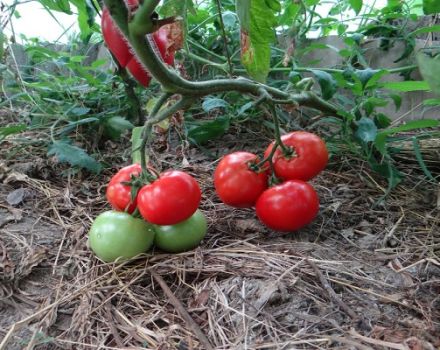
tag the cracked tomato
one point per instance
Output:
(119, 194)
(236, 183)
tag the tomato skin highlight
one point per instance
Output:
(288, 206)
(183, 236)
(116, 234)
(310, 159)
(235, 183)
(118, 194)
(172, 198)
(114, 39)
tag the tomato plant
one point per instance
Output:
(288, 206)
(119, 235)
(236, 183)
(119, 194)
(183, 236)
(309, 157)
(172, 198)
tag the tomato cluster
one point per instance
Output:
(168, 206)
(242, 181)
(124, 54)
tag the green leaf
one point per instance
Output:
(389, 171)
(75, 156)
(86, 18)
(380, 141)
(432, 102)
(430, 70)
(57, 5)
(422, 30)
(10, 130)
(382, 121)
(366, 130)
(327, 83)
(356, 5)
(229, 19)
(177, 8)
(257, 21)
(397, 99)
(406, 86)
(200, 133)
(431, 7)
(211, 103)
(420, 160)
(274, 5)
(115, 126)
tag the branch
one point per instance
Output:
(173, 83)
(183, 103)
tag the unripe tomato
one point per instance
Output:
(172, 198)
(236, 183)
(309, 159)
(118, 194)
(288, 206)
(116, 234)
(115, 40)
(183, 236)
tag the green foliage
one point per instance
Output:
(267, 40)
(257, 20)
(75, 156)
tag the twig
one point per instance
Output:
(378, 342)
(182, 311)
(332, 294)
(225, 39)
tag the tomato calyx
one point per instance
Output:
(288, 152)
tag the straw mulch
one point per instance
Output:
(364, 275)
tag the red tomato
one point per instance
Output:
(310, 158)
(139, 72)
(288, 206)
(235, 183)
(172, 198)
(115, 40)
(118, 194)
(160, 43)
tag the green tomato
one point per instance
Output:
(119, 235)
(183, 236)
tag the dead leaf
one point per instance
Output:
(15, 197)
(201, 299)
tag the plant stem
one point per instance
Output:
(200, 59)
(204, 49)
(162, 99)
(225, 39)
(183, 103)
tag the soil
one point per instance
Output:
(364, 275)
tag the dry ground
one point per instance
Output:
(364, 275)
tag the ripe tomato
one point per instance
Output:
(139, 72)
(172, 198)
(118, 194)
(183, 236)
(235, 183)
(310, 158)
(115, 40)
(116, 234)
(288, 206)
